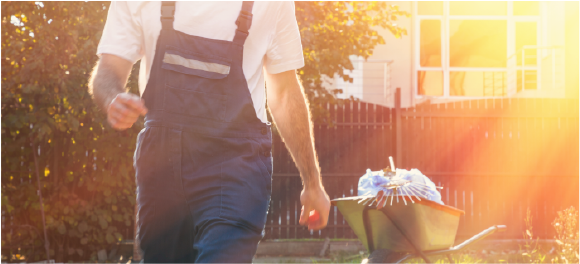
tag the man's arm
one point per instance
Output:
(107, 85)
(289, 109)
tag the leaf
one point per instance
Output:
(83, 227)
(103, 223)
(110, 239)
(61, 229)
(118, 236)
(74, 123)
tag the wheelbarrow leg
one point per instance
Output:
(418, 251)
(368, 230)
(384, 255)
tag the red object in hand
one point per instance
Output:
(314, 217)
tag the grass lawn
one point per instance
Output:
(358, 258)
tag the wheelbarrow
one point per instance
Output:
(397, 232)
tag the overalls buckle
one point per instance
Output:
(167, 12)
(244, 21)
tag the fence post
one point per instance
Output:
(398, 130)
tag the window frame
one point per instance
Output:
(445, 19)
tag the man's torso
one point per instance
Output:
(216, 20)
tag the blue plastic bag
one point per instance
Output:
(371, 182)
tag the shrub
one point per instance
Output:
(531, 250)
(48, 51)
(566, 225)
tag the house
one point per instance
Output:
(464, 50)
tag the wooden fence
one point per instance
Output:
(494, 157)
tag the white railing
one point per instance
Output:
(372, 82)
(540, 71)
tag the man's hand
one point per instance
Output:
(315, 208)
(107, 85)
(124, 110)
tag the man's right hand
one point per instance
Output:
(124, 110)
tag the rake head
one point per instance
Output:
(396, 186)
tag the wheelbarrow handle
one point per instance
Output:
(501, 228)
(480, 236)
(455, 249)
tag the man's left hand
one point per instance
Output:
(314, 199)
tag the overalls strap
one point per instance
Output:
(244, 22)
(167, 14)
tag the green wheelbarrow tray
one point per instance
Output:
(429, 224)
(420, 226)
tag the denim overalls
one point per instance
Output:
(203, 161)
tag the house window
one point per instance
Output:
(474, 49)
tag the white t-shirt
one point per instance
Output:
(132, 29)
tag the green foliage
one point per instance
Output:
(333, 31)
(531, 250)
(564, 250)
(87, 177)
(567, 235)
(48, 51)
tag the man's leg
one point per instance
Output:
(164, 222)
(225, 241)
(165, 234)
(228, 193)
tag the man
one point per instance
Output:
(203, 161)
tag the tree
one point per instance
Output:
(333, 31)
(48, 51)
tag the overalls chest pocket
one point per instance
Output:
(195, 84)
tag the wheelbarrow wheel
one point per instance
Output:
(385, 256)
